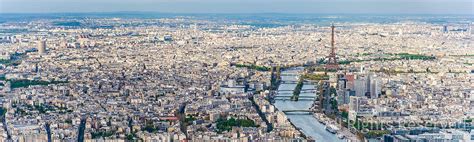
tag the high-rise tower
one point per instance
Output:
(332, 61)
(41, 47)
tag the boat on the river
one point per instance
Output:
(340, 136)
(318, 117)
(310, 139)
(322, 122)
(332, 128)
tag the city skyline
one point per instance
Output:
(437, 7)
(211, 70)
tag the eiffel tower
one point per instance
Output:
(332, 60)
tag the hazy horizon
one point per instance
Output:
(433, 7)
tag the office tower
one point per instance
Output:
(341, 84)
(41, 47)
(349, 93)
(470, 29)
(349, 81)
(367, 84)
(354, 105)
(36, 68)
(375, 88)
(445, 29)
(345, 96)
(360, 86)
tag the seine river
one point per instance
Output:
(308, 124)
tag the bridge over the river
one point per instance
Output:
(296, 82)
(302, 91)
(289, 74)
(299, 97)
(298, 112)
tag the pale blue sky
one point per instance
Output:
(243, 6)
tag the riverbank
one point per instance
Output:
(341, 130)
